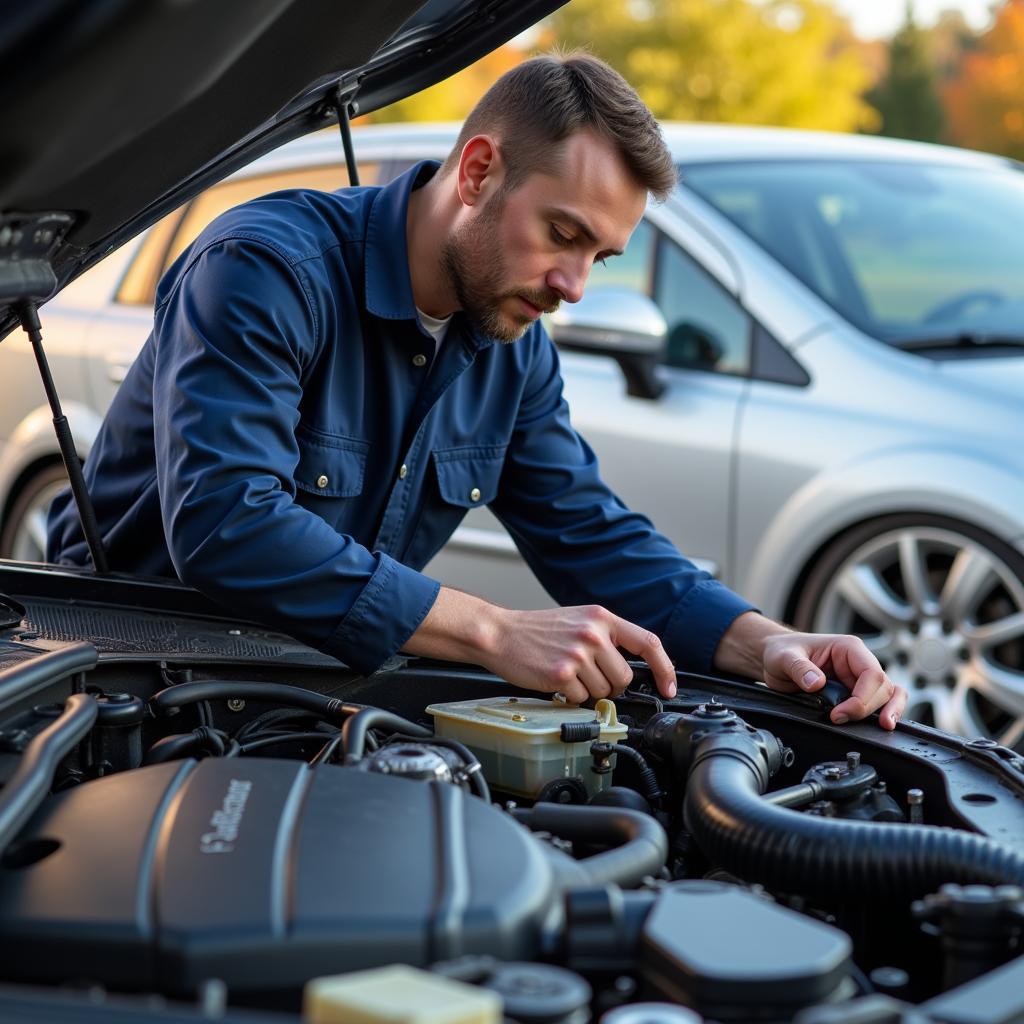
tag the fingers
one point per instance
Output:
(893, 710)
(797, 661)
(788, 667)
(597, 668)
(614, 670)
(872, 689)
(647, 645)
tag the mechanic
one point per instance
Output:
(332, 380)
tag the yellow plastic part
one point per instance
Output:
(518, 739)
(397, 995)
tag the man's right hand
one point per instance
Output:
(572, 651)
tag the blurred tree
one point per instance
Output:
(452, 99)
(906, 98)
(782, 62)
(948, 40)
(985, 101)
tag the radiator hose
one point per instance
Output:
(800, 853)
(643, 844)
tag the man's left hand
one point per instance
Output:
(801, 661)
(757, 647)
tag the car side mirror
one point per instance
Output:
(620, 323)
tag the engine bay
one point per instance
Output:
(228, 832)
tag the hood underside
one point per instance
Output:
(116, 111)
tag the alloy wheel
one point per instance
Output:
(944, 614)
(25, 538)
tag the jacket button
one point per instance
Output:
(322, 482)
(419, 359)
(403, 471)
(474, 495)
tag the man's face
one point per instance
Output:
(523, 252)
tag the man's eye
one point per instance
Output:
(558, 238)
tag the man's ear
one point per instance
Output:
(480, 170)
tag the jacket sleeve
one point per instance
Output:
(585, 546)
(234, 337)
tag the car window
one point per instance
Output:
(901, 249)
(633, 269)
(172, 235)
(707, 328)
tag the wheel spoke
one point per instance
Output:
(1012, 734)
(867, 593)
(992, 634)
(35, 526)
(970, 577)
(881, 645)
(915, 576)
(960, 716)
(939, 701)
(1003, 686)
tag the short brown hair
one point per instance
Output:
(544, 100)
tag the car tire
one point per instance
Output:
(941, 604)
(23, 536)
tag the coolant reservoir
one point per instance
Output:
(518, 739)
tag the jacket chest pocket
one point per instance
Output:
(330, 465)
(468, 477)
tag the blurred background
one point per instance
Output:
(931, 70)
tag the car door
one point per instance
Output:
(119, 332)
(671, 458)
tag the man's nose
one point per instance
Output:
(568, 281)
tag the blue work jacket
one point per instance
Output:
(285, 444)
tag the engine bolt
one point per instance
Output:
(833, 774)
(915, 800)
(236, 704)
(853, 760)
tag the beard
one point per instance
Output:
(475, 266)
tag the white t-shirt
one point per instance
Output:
(437, 329)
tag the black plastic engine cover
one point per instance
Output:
(263, 873)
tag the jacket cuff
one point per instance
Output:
(698, 623)
(389, 610)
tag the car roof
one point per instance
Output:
(696, 143)
(710, 143)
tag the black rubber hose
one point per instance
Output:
(25, 790)
(169, 700)
(201, 740)
(25, 678)
(647, 777)
(644, 846)
(277, 738)
(808, 855)
(353, 732)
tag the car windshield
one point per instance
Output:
(908, 252)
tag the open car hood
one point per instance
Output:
(115, 112)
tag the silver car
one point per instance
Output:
(806, 369)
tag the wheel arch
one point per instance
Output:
(978, 493)
(968, 528)
(32, 447)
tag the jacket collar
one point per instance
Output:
(388, 283)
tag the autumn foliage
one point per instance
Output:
(793, 63)
(985, 101)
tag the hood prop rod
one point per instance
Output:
(28, 314)
(341, 105)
